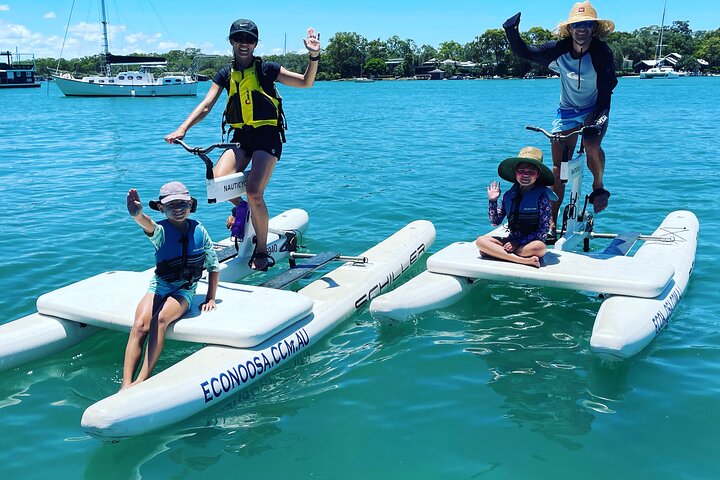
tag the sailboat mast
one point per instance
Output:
(658, 51)
(106, 48)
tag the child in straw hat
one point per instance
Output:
(587, 78)
(527, 207)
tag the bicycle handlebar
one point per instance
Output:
(206, 150)
(558, 136)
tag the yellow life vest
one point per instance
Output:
(249, 104)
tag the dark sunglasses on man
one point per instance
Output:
(586, 24)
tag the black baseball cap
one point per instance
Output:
(244, 26)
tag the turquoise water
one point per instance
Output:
(501, 385)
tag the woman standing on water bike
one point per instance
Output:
(587, 79)
(254, 112)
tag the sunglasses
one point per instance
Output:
(586, 24)
(243, 38)
(527, 171)
(181, 205)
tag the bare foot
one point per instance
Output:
(533, 261)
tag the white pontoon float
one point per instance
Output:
(642, 290)
(253, 331)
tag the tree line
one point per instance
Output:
(349, 54)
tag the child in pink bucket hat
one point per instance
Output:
(183, 249)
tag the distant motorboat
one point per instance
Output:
(138, 82)
(18, 71)
(363, 80)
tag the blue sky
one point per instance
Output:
(38, 26)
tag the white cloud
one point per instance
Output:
(85, 39)
(135, 38)
(49, 15)
(162, 46)
(4, 8)
(27, 41)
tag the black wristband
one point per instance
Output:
(315, 59)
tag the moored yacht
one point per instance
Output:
(140, 82)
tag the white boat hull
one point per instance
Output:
(215, 373)
(574, 271)
(72, 87)
(36, 336)
(663, 72)
(430, 291)
(626, 325)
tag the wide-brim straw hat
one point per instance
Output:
(531, 155)
(584, 11)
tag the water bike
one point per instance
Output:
(641, 290)
(254, 331)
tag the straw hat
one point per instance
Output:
(531, 155)
(583, 11)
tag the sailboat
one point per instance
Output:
(138, 82)
(659, 70)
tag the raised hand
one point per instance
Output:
(512, 22)
(134, 205)
(493, 191)
(312, 42)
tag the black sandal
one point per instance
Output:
(269, 258)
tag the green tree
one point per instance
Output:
(375, 67)
(495, 51)
(451, 50)
(427, 52)
(709, 48)
(398, 48)
(377, 49)
(345, 54)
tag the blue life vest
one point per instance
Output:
(523, 209)
(182, 256)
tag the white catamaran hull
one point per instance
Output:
(427, 291)
(626, 325)
(215, 373)
(36, 335)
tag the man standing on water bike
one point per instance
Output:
(587, 79)
(254, 112)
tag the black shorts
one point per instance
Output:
(266, 139)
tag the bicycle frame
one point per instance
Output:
(577, 225)
(223, 188)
